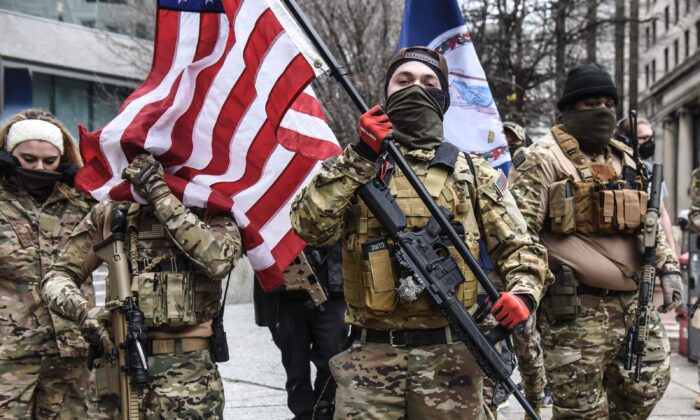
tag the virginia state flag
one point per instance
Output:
(472, 123)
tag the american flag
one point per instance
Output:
(228, 110)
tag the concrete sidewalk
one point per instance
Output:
(254, 377)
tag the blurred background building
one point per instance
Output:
(76, 58)
(669, 83)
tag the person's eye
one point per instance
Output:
(29, 159)
(50, 161)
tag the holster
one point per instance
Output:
(561, 301)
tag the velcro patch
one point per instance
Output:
(501, 182)
(518, 158)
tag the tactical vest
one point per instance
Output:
(602, 202)
(370, 271)
(164, 282)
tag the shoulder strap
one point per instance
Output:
(569, 145)
(475, 204)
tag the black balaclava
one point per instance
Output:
(416, 117)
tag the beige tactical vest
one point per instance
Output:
(164, 283)
(595, 199)
(371, 276)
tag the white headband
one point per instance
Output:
(25, 130)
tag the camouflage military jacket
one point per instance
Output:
(320, 213)
(544, 163)
(31, 236)
(211, 246)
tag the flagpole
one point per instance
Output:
(341, 75)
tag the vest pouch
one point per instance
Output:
(467, 291)
(106, 378)
(634, 209)
(179, 298)
(378, 276)
(207, 298)
(151, 298)
(561, 207)
(584, 213)
(604, 210)
(561, 301)
(353, 288)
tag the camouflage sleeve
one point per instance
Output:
(666, 262)
(694, 214)
(214, 247)
(521, 261)
(60, 287)
(528, 184)
(318, 211)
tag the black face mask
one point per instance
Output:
(440, 97)
(593, 127)
(39, 183)
(416, 117)
(646, 149)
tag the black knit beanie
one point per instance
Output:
(587, 80)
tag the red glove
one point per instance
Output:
(374, 127)
(510, 310)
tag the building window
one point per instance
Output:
(653, 71)
(687, 43)
(676, 10)
(675, 52)
(665, 60)
(647, 33)
(653, 31)
(646, 74)
(697, 34)
(667, 18)
(687, 6)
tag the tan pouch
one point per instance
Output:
(380, 296)
(584, 212)
(604, 211)
(633, 217)
(106, 380)
(179, 298)
(149, 291)
(353, 288)
(620, 206)
(561, 207)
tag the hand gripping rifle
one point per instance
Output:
(638, 334)
(128, 321)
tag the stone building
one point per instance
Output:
(669, 86)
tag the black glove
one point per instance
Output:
(68, 171)
(8, 164)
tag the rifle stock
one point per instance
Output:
(128, 322)
(300, 275)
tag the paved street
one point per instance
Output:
(254, 378)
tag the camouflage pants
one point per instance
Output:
(430, 382)
(530, 356)
(528, 349)
(48, 387)
(186, 386)
(584, 360)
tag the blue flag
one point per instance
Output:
(472, 123)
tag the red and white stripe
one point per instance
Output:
(227, 109)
